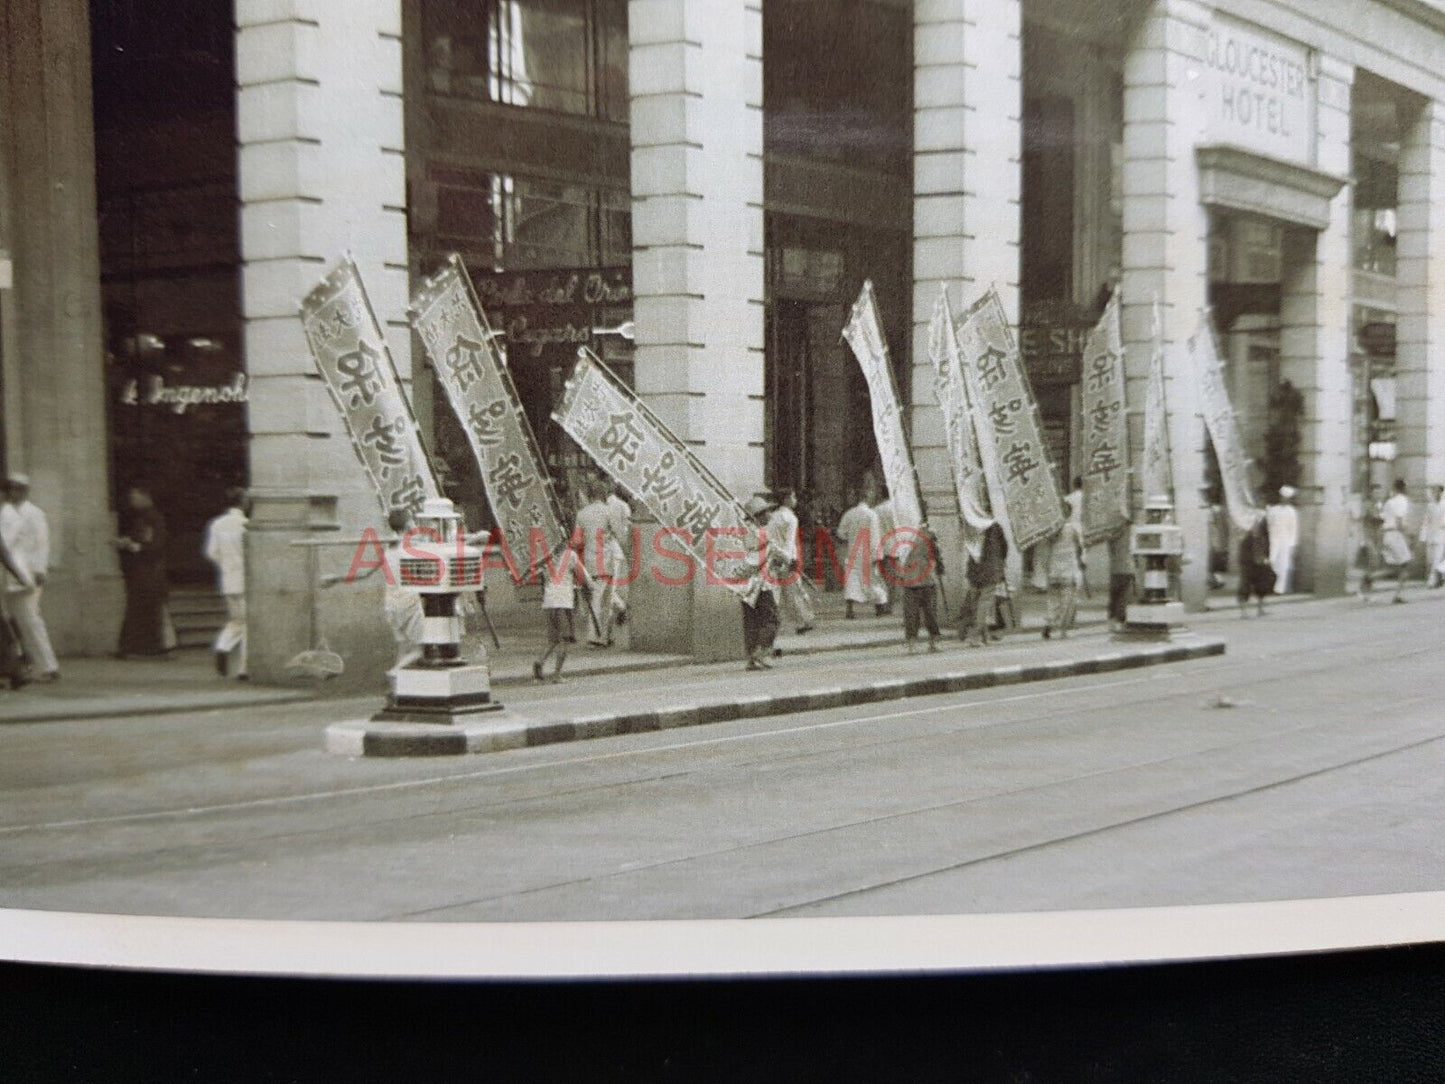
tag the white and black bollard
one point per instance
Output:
(1154, 542)
(439, 686)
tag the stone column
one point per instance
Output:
(697, 228)
(322, 172)
(967, 134)
(1315, 349)
(1166, 246)
(54, 356)
(1420, 330)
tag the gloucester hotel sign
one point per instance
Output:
(1259, 92)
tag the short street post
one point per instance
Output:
(439, 686)
(1155, 542)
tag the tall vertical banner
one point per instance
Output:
(1106, 428)
(354, 360)
(951, 391)
(865, 335)
(1157, 463)
(1222, 425)
(632, 445)
(1007, 416)
(470, 369)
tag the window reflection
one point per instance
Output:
(566, 56)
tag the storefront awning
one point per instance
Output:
(1241, 180)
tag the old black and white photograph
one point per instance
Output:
(530, 461)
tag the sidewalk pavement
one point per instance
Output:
(103, 688)
(606, 705)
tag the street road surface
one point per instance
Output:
(1309, 760)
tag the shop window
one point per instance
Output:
(815, 103)
(520, 223)
(566, 56)
(1374, 226)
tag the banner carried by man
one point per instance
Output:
(1222, 425)
(354, 360)
(632, 445)
(951, 391)
(1105, 425)
(865, 335)
(1010, 435)
(1156, 466)
(472, 372)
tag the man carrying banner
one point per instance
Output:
(602, 550)
(619, 525)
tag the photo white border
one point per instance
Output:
(734, 948)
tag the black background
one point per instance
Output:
(1366, 1016)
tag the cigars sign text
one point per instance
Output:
(1259, 92)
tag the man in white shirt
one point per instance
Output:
(861, 523)
(225, 547)
(1282, 519)
(783, 541)
(619, 525)
(1432, 534)
(601, 553)
(887, 523)
(27, 536)
(1394, 546)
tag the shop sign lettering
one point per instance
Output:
(154, 391)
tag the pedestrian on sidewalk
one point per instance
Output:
(594, 521)
(760, 602)
(1394, 546)
(565, 573)
(146, 629)
(1121, 575)
(983, 577)
(225, 547)
(883, 590)
(26, 533)
(1432, 534)
(783, 541)
(916, 577)
(401, 604)
(619, 526)
(1075, 502)
(1256, 574)
(1064, 565)
(1283, 520)
(860, 525)
(1218, 545)
(1367, 553)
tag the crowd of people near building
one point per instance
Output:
(1392, 533)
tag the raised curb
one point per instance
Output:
(497, 734)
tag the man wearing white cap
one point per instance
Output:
(27, 536)
(1282, 519)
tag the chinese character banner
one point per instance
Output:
(628, 441)
(354, 360)
(1008, 422)
(865, 336)
(1222, 425)
(1105, 424)
(471, 371)
(951, 391)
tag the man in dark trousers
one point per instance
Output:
(983, 576)
(760, 607)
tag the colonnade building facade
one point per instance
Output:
(718, 177)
